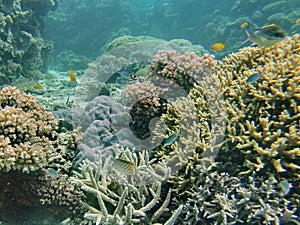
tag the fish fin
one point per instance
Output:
(248, 35)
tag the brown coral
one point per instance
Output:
(38, 198)
(26, 131)
(263, 116)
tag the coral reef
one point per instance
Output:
(184, 69)
(260, 149)
(38, 198)
(119, 55)
(263, 117)
(23, 50)
(115, 198)
(127, 53)
(35, 162)
(26, 131)
(220, 195)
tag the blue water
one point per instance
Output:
(84, 27)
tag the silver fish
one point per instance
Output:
(253, 78)
(266, 36)
(285, 187)
(53, 173)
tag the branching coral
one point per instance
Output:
(226, 198)
(122, 199)
(26, 132)
(263, 117)
(184, 69)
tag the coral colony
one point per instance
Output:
(254, 178)
(190, 140)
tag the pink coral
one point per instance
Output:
(26, 131)
(184, 69)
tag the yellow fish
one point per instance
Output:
(298, 21)
(72, 76)
(219, 46)
(266, 36)
(244, 25)
(38, 86)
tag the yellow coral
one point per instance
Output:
(266, 112)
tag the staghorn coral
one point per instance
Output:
(121, 199)
(248, 172)
(26, 132)
(263, 117)
(197, 118)
(220, 195)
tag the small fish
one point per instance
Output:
(171, 139)
(38, 86)
(219, 46)
(266, 36)
(298, 21)
(244, 25)
(285, 187)
(133, 76)
(72, 76)
(142, 72)
(125, 73)
(124, 166)
(114, 140)
(253, 78)
(53, 173)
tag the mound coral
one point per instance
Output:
(26, 132)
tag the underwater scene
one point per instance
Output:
(149, 112)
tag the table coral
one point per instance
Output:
(263, 116)
(26, 132)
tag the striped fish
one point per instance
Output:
(124, 166)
